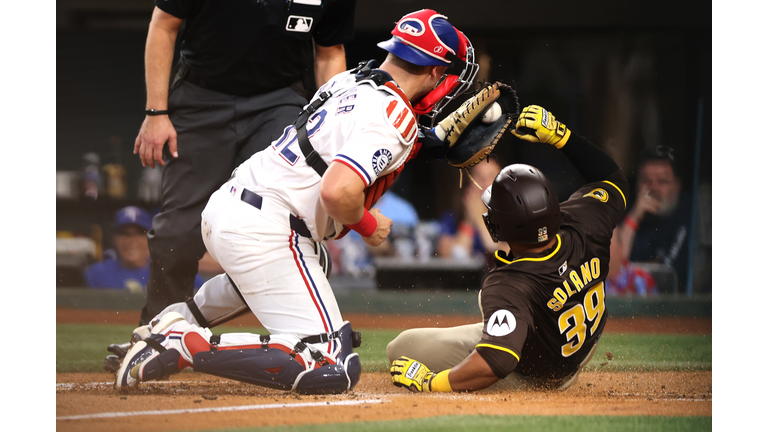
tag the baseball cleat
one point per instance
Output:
(130, 373)
(112, 363)
(120, 350)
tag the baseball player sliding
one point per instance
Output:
(543, 306)
(266, 225)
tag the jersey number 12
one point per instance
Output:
(284, 144)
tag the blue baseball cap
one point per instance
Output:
(132, 216)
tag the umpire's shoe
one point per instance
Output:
(149, 359)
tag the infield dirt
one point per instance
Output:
(194, 401)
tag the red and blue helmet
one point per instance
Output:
(426, 38)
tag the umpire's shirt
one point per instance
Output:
(544, 313)
(250, 47)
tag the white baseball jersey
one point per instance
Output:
(370, 129)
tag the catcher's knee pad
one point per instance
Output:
(350, 360)
(328, 379)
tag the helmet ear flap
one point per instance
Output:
(491, 227)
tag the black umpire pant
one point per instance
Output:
(215, 132)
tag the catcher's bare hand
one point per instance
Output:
(536, 124)
(383, 227)
(154, 133)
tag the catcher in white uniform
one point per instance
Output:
(266, 225)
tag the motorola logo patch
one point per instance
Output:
(502, 323)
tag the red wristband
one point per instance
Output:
(367, 225)
(628, 221)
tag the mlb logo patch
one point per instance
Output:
(299, 24)
(232, 190)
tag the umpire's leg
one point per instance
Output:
(207, 149)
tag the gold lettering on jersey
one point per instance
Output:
(568, 288)
(554, 305)
(586, 274)
(595, 264)
(575, 279)
(590, 271)
(560, 295)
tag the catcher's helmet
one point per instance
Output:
(522, 206)
(426, 38)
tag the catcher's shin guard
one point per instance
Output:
(282, 362)
(270, 367)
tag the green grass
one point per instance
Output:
(82, 348)
(489, 423)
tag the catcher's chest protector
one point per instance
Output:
(380, 80)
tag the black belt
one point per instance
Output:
(255, 200)
(195, 78)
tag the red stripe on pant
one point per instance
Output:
(308, 285)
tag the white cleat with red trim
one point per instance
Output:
(162, 352)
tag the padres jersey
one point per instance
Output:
(371, 129)
(543, 313)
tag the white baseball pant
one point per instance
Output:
(275, 269)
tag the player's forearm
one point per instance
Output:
(158, 58)
(329, 61)
(347, 210)
(471, 374)
(592, 163)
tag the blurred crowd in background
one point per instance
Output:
(663, 241)
(643, 95)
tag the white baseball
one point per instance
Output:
(492, 113)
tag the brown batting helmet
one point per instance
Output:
(522, 206)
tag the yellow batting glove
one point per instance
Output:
(411, 374)
(536, 124)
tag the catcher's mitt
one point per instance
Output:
(468, 140)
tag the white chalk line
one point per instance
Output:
(219, 409)
(631, 396)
